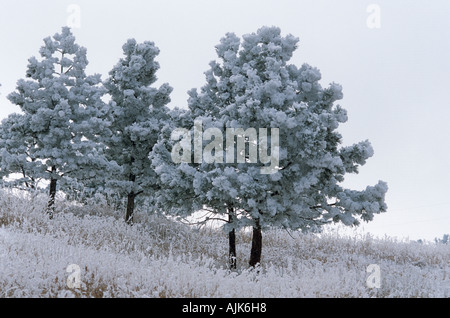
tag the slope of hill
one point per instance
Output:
(158, 257)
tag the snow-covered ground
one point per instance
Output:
(161, 258)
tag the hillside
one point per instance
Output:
(158, 257)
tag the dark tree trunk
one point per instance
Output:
(232, 250)
(52, 195)
(130, 208)
(231, 242)
(130, 203)
(255, 253)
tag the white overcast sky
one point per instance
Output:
(395, 77)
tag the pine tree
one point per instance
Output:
(282, 108)
(16, 141)
(138, 113)
(63, 114)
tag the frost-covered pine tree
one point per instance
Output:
(16, 157)
(283, 110)
(138, 113)
(63, 114)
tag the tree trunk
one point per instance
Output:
(231, 242)
(130, 200)
(130, 208)
(232, 250)
(52, 195)
(255, 253)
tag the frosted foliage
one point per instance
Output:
(252, 85)
(62, 116)
(15, 141)
(162, 258)
(138, 112)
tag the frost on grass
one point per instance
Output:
(158, 257)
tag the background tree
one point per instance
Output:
(63, 114)
(138, 112)
(253, 86)
(16, 144)
(444, 240)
